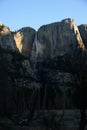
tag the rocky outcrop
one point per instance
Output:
(24, 39)
(58, 39)
(51, 40)
(6, 38)
(57, 53)
(83, 33)
(21, 41)
(51, 51)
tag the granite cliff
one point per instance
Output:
(40, 70)
(49, 41)
(24, 39)
(59, 38)
(83, 33)
(6, 39)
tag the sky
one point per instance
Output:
(34, 13)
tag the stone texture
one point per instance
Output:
(58, 39)
(17, 83)
(24, 39)
(50, 40)
(23, 91)
(6, 38)
(56, 75)
(83, 33)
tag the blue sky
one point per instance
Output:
(35, 13)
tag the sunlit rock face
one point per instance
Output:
(83, 33)
(6, 38)
(24, 39)
(50, 83)
(57, 39)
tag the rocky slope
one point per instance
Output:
(40, 70)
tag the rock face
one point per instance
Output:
(58, 39)
(17, 83)
(51, 40)
(57, 53)
(6, 38)
(24, 39)
(83, 33)
(56, 76)
(50, 50)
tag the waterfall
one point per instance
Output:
(53, 51)
(33, 53)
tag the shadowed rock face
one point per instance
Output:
(58, 39)
(58, 52)
(6, 38)
(16, 79)
(83, 33)
(51, 49)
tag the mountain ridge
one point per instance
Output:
(40, 72)
(24, 39)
